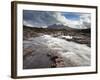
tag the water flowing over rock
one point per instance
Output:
(47, 51)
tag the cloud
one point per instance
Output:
(39, 18)
(83, 22)
(61, 18)
(46, 18)
(65, 21)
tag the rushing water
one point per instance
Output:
(36, 50)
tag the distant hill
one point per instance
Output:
(57, 26)
(62, 27)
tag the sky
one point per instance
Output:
(45, 18)
(71, 15)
